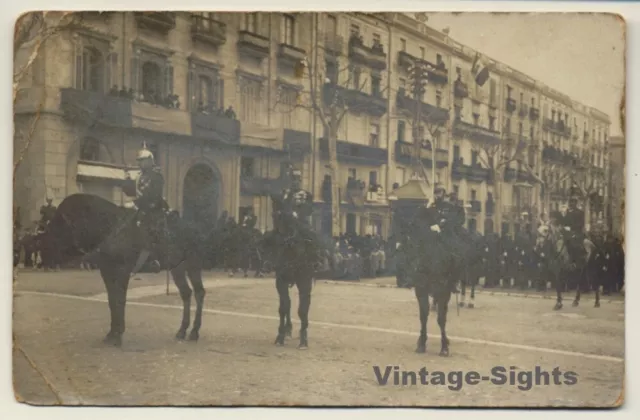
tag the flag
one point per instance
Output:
(480, 70)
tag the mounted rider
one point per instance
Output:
(47, 211)
(150, 205)
(573, 226)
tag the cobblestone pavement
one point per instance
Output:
(60, 319)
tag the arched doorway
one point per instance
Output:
(200, 195)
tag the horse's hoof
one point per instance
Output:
(444, 352)
(113, 340)
(422, 348)
(597, 305)
(575, 303)
(303, 345)
(279, 340)
(181, 334)
(194, 335)
(557, 307)
(461, 304)
(289, 333)
(470, 306)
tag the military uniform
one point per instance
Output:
(47, 212)
(574, 219)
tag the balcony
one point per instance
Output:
(437, 73)
(476, 206)
(91, 107)
(553, 154)
(460, 89)
(475, 133)
(357, 101)
(333, 44)
(253, 44)
(510, 105)
(428, 112)
(357, 153)
(208, 31)
(373, 57)
(534, 113)
(297, 143)
(489, 207)
(404, 152)
(258, 186)
(291, 54)
(523, 111)
(215, 128)
(161, 22)
(472, 173)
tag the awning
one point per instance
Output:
(104, 171)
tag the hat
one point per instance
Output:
(439, 187)
(144, 153)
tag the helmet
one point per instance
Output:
(439, 188)
(144, 153)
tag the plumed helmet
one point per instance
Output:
(144, 153)
(440, 188)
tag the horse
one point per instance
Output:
(438, 266)
(86, 224)
(294, 251)
(552, 245)
(474, 265)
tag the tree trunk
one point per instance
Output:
(497, 199)
(332, 141)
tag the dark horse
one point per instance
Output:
(439, 264)
(86, 224)
(293, 249)
(553, 245)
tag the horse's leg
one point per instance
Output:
(559, 284)
(194, 270)
(463, 289)
(597, 287)
(443, 308)
(120, 284)
(179, 276)
(578, 274)
(472, 295)
(285, 306)
(109, 282)
(304, 293)
(422, 294)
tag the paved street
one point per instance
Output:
(61, 318)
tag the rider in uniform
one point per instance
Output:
(147, 190)
(46, 214)
(573, 225)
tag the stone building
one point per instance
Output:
(226, 106)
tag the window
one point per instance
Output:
(373, 178)
(439, 100)
(152, 83)
(246, 166)
(289, 100)
(553, 114)
(332, 25)
(351, 223)
(402, 83)
(351, 172)
(476, 119)
(507, 125)
(473, 195)
(520, 129)
(474, 158)
(438, 58)
(90, 69)
(509, 90)
(492, 92)
(152, 78)
(374, 136)
(403, 44)
(375, 85)
(457, 112)
(458, 71)
(456, 153)
(489, 196)
(332, 71)
(456, 189)
(521, 97)
(250, 99)
(355, 77)
(531, 132)
(354, 30)
(533, 102)
(90, 150)
(492, 123)
(400, 173)
(422, 52)
(288, 29)
(251, 22)
(401, 130)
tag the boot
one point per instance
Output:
(142, 258)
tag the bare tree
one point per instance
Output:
(32, 30)
(332, 93)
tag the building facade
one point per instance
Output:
(227, 101)
(617, 161)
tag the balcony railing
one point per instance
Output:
(216, 128)
(534, 113)
(353, 152)
(472, 173)
(93, 107)
(428, 112)
(524, 110)
(290, 53)
(475, 132)
(208, 31)
(253, 44)
(162, 22)
(437, 73)
(405, 152)
(357, 101)
(333, 44)
(373, 56)
(510, 104)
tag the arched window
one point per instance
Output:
(90, 70)
(152, 82)
(205, 92)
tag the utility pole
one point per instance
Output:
(418, 78)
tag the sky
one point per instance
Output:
(581, 55)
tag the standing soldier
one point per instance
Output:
(150, 206)
(46, 213)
